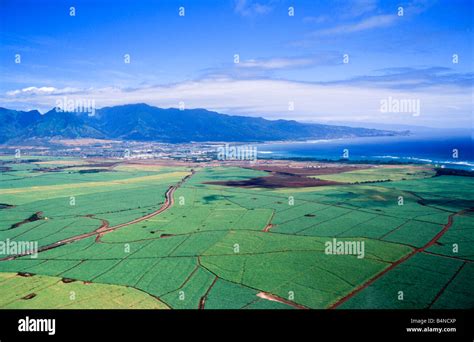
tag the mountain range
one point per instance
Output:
(142, 122)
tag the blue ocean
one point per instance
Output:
(443, 150)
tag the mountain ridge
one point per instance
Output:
(143, 122)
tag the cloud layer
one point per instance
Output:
(273, 99)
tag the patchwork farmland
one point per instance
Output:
(114, 234)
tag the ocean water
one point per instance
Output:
(420, 148)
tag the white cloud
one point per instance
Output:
(249, 8)
(32, 90)
(441, 106)
(276, 63)
(40, 91)
(377, 21)
(356, 8)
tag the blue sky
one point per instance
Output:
(282, 59)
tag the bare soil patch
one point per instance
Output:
(68, 280)
(25, 274)
(277, 180)
(29, 296)
(274, 298)
(313, 170)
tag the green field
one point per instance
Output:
(381, 174)
(219, 247)
(43, 292)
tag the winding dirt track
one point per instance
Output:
(399, 261)
(104, 228)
